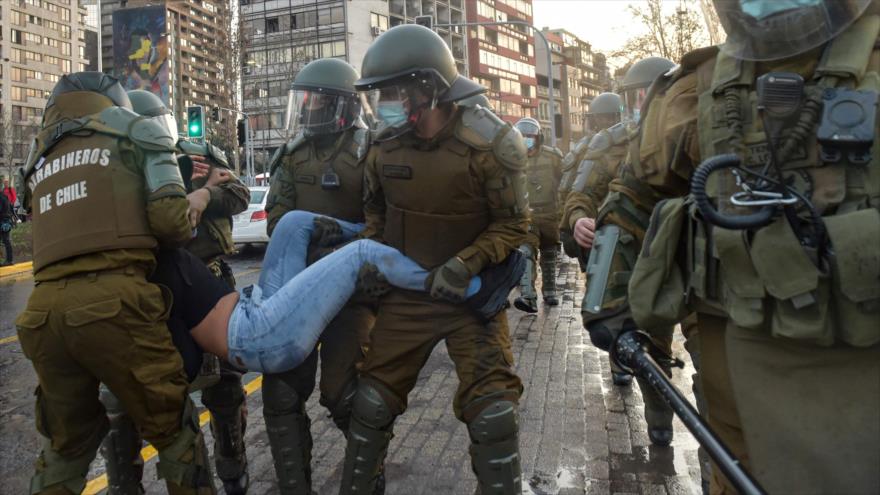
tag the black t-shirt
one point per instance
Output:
(195, 291)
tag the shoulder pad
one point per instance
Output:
(553, 151)
(276, 159)
(151, 134)
(294, 144)
(694, 58)
(511, 150)
(619, 133)
(600, 142)
(118, 118)
(361, 141)
(479, 127)
(218, 155)
(191, 148)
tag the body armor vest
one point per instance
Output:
(86, 198)
(543, 185)
(310, 176)
(435, 205)
(773, 273)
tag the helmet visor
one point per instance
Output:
(396, 108)
(316, 113)
(775, 29)
(633, 99)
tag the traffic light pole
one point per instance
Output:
(551, 102)
(248, 145)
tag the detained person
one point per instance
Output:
(273, 326)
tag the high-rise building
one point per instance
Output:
(444, 12)
(579, 75)
(196, 46)
(41, 40)
(502, 58)
(281, 36)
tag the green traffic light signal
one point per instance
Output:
(195, 117)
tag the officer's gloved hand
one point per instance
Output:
(449, 281)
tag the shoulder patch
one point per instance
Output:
(479, 127)
(151, 134)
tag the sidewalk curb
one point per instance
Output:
(19, 268)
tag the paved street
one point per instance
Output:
(579, 433)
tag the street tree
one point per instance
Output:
(667, 34)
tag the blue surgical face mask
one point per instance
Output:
(391, 113)
(759, 9)
(530, 142)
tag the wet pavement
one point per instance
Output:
(579, 433)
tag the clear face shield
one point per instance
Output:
(318, 113)
(633, 99)
(531, 134)
(397, 108)
(777, 29)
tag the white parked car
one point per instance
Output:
(249, 226)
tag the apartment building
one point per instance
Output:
(39, 40)
(194, 41)
(502, 57)
(579, 74)
(445, 12)
(281, 36)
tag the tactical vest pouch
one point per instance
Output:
(429, 239)
(799, 292)
(743, 289)
(656, 288)
(855, 268)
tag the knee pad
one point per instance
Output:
(340, 408)
(495, 423)
(59, 473)
(279, 398)
(184, 462)
(370, 408)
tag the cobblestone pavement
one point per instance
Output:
(578, 432)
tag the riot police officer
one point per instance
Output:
(321, 169)
(543, 173)
(105, 190)
(445, 186)
(211, 208)
(768, 261)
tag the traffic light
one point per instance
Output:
(215, 114)
(195, 122)
(425, 20)
(242, 137)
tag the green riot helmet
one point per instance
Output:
(322, 99)
(776, 29)
(83, 93)
(146, 103)
(638, 79)
(604, 111)
(531, 133)
(407, 70)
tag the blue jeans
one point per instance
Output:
(276, 326)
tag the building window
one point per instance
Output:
(272, 25)
(379, 21)
(16, 37)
